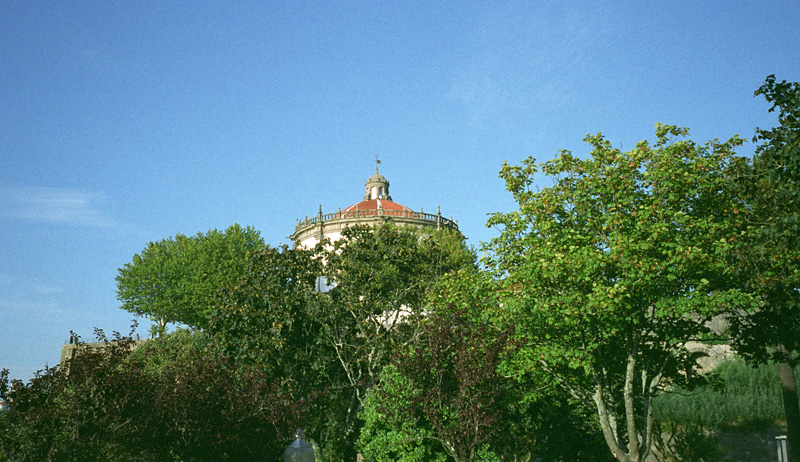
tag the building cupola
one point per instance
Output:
(377, 187)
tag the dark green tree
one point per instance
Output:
(613, 268)
(177, 280)
(267, 319)
(443, 396)
(770, 256)
(330, 347)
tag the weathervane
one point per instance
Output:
(377, 162)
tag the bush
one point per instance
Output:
(743, 396)
(692, 443)
(107, 404)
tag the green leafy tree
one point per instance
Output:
(381, 277)
(613, 268)
(770, 256)
(743, 396)
(445, 389)
(267, 321)
(449, 396)
(178, 279)
(388, 433)
(330, 347)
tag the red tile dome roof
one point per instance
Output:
(373, 205)
(370, 208)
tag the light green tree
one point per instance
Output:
(177, 280)
(613, 268)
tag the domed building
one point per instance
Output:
(375, 209)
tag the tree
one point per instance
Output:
(268, 321)
(449, 396)
(381, 276)
(444, 389)
(178, 279)
(110, 403)
(770, 256)
(332, 346)
(610, 271)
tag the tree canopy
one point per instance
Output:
(443, 396)
(334, 345)
(769, 259)
(610, 271)
(381, 276)
(177, 280)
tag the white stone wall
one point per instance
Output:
(310, 242)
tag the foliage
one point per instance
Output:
(613, 268)
(388, 434)
(106, 404)
(565, 431)
(381, 279)
(692, 443)
(265, 319)
(770, 257)
(451, 251)
(444, 390)
(329, 348)
(180, 346)
(381, 276)
(267, 322)
(178, 279)
(390, 270)
(744, 396)
(445, 397)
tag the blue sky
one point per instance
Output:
(128, 122)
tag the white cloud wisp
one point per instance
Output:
(55, 205)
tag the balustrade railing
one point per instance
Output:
(348, 215)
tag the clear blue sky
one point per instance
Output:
(128, 122)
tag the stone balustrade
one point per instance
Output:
(419, 218)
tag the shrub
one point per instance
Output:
(743, 396)
(107, 404)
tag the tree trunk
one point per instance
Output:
(609, 430)
(791, 408)
(630, 410)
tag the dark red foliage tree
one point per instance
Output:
(110, 404)
(456, 371)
